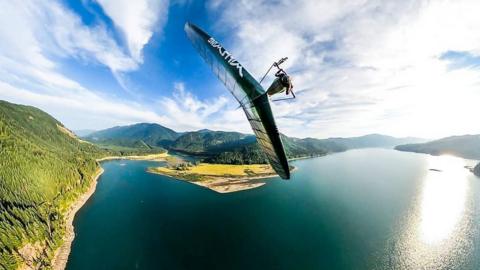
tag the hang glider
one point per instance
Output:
(249, 93)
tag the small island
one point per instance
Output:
(222, 178)
(476, 170)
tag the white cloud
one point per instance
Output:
(35, 37)
(76, 39)
(363, 66)
(186, 112)
(137, 20)
(46, 33)
(81, 109)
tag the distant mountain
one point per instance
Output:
(232, 147)
(296, 147)
(207, 141)
(375, 140)
(466, 146)
(143, 135)
(238, 148)
(83, 132)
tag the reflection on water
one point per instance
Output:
(438, 234)
(443, 199)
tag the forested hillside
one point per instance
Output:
(231, 147)
(250, 153)
(43, 169)
(207, 141)
(238, 148)
(466, 146)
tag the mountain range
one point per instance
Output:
(230, 147)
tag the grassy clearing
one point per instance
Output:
(206, 171)
(233, 170)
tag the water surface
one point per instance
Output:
(361, 209)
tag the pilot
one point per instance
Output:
(285, 80)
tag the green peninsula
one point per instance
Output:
(222, 178)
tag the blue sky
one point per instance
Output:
(404, 68)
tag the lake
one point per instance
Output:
(360, 209)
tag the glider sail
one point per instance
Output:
(247, 91)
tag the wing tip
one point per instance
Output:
(286, 168)
(187, 26)
(190, 27)
(284, 173)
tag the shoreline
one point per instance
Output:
(220, 183)
(61, 254)
(223, 184)
(309, 157)
(60, 258)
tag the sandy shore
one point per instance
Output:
(227, 185)
(59, 261)
(60, 258)
(224, 184)
(307, 157)
(220, 183)
(154, 157)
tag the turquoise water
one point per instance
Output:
(361, 209)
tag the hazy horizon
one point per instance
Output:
(248, 132)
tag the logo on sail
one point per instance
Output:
(226, 55)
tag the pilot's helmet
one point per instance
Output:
(285, 80)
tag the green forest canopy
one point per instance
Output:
(43, 169)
